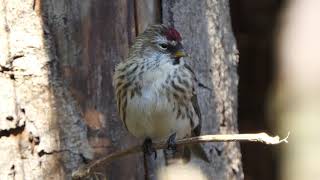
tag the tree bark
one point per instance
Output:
(42, 132)
(91, 38)
(208, 38)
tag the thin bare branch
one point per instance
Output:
(259, 137)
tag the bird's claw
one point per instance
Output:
(148, 149)
(172, 146)
(172, 142)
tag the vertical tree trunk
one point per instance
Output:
(208, 38)
(42, 132)
(91, 38)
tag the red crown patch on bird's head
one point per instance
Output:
(173, 35)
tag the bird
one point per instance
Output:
(155, 90)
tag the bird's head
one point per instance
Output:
(159, 43)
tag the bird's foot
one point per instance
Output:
(172, 142)
(172, 146)
(148, 149)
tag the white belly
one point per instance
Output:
(151, 115)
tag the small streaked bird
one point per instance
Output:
(155, 89)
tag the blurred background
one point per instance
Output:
(255, 28)
(279, 71)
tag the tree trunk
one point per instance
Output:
(57, 108)
(208, 38)
(42, 132)
(91, 38)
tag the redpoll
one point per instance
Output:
(155, 88)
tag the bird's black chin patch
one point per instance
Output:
(176, 61)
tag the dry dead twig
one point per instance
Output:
(259, 137)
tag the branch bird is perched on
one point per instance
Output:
(155, 89)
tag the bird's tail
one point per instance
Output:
(198, 151)
(183, 154)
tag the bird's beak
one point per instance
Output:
(180, 53)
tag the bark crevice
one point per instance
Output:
(12, 131)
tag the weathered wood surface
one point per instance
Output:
(42, 132)
(146, 12)
(208, 38)
(91, 37)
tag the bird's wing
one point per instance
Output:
(194, 100)
(197, 129)
(197, 149)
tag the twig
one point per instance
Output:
(260, 137)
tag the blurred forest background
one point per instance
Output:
(279, 71)
(255, 25)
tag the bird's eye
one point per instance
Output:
(163, 46)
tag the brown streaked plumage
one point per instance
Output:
(155, 88)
